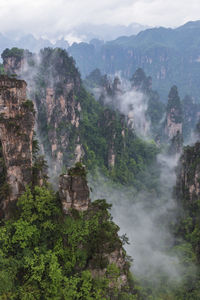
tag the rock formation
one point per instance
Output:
(15, 60)
(174, 114)
(73, 189)
(12, 65)
(176, 144)
(63, 117)
(53, 82)
(191, 114)
(16, 133)
(74, 194)
(140, 82)
(188, 175)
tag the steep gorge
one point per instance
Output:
(100, 255)
(72, 126)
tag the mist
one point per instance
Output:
(146, 219)
(29, 73)
(132, 104)
(145, 216)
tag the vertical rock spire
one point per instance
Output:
(16, 134)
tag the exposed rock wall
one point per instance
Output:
(53, 84)
(174, 114)
(176, 145)
(172, 127)
(17, 61)
(63, 117)
(74, 191)
(13, 65)
(16, 134)
(188, 175)
(108, 123)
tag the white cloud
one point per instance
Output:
(45, 17)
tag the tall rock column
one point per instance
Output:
(174, 122)
(174, 114)
(16, 134)
(188, 175)
(73, 189)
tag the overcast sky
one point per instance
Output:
(47, 17)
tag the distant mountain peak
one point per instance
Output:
(191, 25)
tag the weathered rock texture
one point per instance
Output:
(16, 61)
(172, 127)
(60, 114)
(74, 191)
(53, 82)
(13, 65)
(176, 145)
(63, 117)
(188, 175)
(115, 136)
(16, 133)
(174, 114)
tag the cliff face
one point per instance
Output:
(141, 82)
(15, 60)
(62, 109)
(173, 127)
(73, 190)
(113, 136)
(73, 127)
(174, 121)
(187, 192)
(58, 110)
(62, 123)
(16, 133)
(13, 65)
(191, 114)
(188, 175)
(53, 84)
(110, 91)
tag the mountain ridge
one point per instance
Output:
(171, 56)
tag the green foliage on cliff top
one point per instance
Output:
(13, 52)
(78, 170)
(45, 255)
(56, 67)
